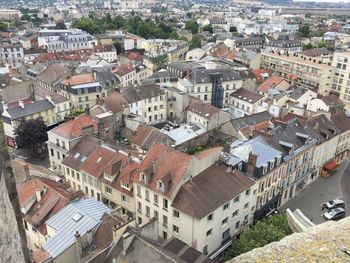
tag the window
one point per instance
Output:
(147, 195)
(165, 221)
(224, 221)
(264, 169)
(246, 205)
(247, 192)
(155, 198)
(205, 250)
(125, 199)
(210, 217)
(52, 152)
(176, 213)
(165, 204)
(86, 190)
(272, 164)
(175, 229)
(148, 211)
(138, 190)
(235, 213)
(156, 214)
(237, 225)
(236, 200)
(108, 190)
(209, 232)
(139, 207)
(227, 205)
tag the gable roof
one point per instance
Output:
(146, 136)
(209, 190)
(30, 109)
(73, 128)
(247, 95)
(332, 101)
(161, 162)
(270, 83)
(203, 109)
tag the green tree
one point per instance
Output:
(31, 132)
(3, 26)
(195, 42)
(308, 46)
(193, 26)
(160, 62)
(118, 46)
(264, 232)
(322, 44)
(304, 29)
(208, 28)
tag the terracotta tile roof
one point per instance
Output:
(158, 163)
(99, 160)
(73, 128)
(203, 109)
(104, 48)
(258, 74)
(115, 102)
(146, 136)
(78, 79)
(122, 70)
(74, 55)
(40, 255)
(209, 190)
(208, 152)
(133, 56)
(270, 83)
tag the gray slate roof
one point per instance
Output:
(90, 212)
(29, 109)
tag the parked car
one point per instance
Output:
(335, 213)
(339, 202)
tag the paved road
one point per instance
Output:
(322, 190)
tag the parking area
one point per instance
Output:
(322, 190)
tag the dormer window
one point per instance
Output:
(264, 169)
(124, 185)
(160, 186)
(143, 177)
(108, 176)
(239, 167)
(272, 163)
(278, 160)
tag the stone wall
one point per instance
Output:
(327, 242)
(10, 242)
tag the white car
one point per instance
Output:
(339, 202)
(335, 213)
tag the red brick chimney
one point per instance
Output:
(251, 163)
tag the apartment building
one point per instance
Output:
(65, 136)
(342, 123)
(11, 54)
(84, 90)
(246, 101)
(55, 40)
(40, 199)
(213, 86)
(300, 70)
(341, 82)
(51, 113)
(107, 52)
(51, 77)
(207, 115)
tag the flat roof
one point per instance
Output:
(185, 133)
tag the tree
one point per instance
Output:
(195, 42)
(208, 28)
(31, 132)
(193, 26)
(322, 44)
(60, 25)
(233, 29)
(3, 26)
(118, 46)
(308, 46)
(305, 30)
(264, 232)
(160, 62)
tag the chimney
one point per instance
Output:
(188, 73)
(38, 194)
(26, 171)
(251, 163)
(4, 105)
(78, 245)
(317, 125)
(87, 111)
(127, 240)
(129, 157)
(94, 75)
(21, 103)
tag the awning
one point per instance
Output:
(291, 76)
(330, 166)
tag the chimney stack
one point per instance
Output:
(251, 163)
(87, 111)
(21, 103)
(38, 194)
(78, 245)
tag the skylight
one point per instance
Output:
(99, 159)
(77, 217)
(76, 156)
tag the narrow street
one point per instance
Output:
(322, 190)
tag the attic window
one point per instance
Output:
(160, 185)
(77, 217)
